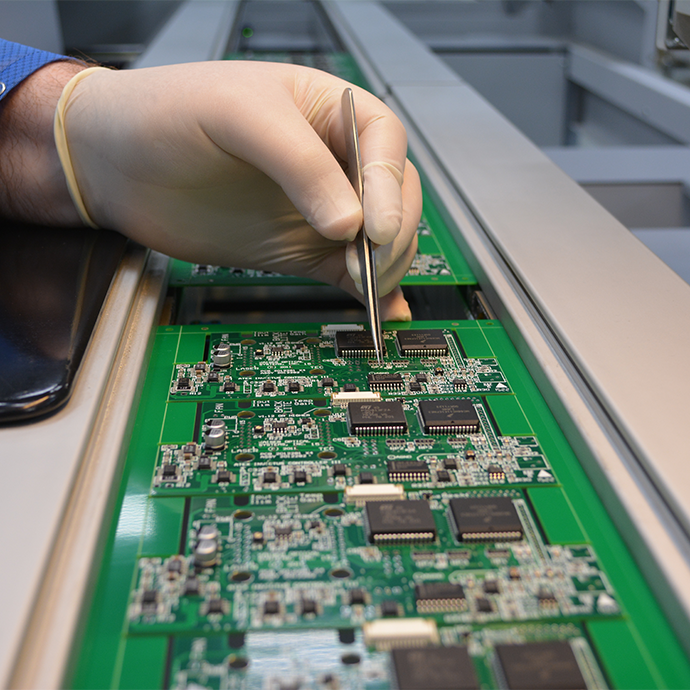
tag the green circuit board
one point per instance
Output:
(297, 514)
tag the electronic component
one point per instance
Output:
(271, 608)
(443, 476)
(496, 473)
(389, 608)
(184, 383)
(429, 342)
(365, 478)
(381, 418)
(400, 521)
(385, 382)
(355, 344)
(221, 355)
(308, 607)
(540, 666)
(485, 519)
(439, 597)
(434, 668)
(407, 470)
(400, 633)
(448, 416)
(361, 493)
(339, 469)
(357, 597)
(343, 398)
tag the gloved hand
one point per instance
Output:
(241, 164)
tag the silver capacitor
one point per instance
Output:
(206, 552)
(208, 532)
(221, 355)
(214, 438)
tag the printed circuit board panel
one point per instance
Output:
(297, 515)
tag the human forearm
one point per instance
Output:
(32, 183)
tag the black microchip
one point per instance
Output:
(459, 384)
(355, 344)
(299, 476)
(169, 471)
(390, 608)
(486, 519)
(439, 597)
(350, 388)
(149, 597)
(293, 387)
(415, 387)
(223, 477)
(269, 387)
(491, 587)
(422, 343)
(421, 378)
(400, 521)
(327, 383)
(376, 418)
(357, 596)
(270, 477)
(279, 426)
(448, 416)
(191, 587)
(184, 384)
(443, 476)
(213, 377)
(283, 532)
(204, 463)
(450, 464)
(407, 470)
(366, 478)
(308, 607)
(484, 605)
(540, 666)
(546, 598)
(496, 473)
(434, 668)
(229, 387)
(339, 470)
(271, 608)
(215, 606)
(385, 382)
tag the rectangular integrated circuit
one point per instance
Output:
(429, 342)
(485, 518)
(355, 344)
(385, 418)
(400, 521)
(448, 417)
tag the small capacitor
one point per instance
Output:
(216, 423)
(214, 438)
(206, 552)
(221, 355)
(208, 532)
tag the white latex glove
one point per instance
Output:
(241, 164)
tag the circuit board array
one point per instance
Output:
(312, 518)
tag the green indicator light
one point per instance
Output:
(247, 32)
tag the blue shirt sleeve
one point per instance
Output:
(17, 62)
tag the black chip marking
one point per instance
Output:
(389, 608)
(540, 666)
(355, 344)
(434, 668)
(376, 418)
(486, 519)
(439, 597)
(448, 416)
(385, 382)
(422, 343)
(399, 521)
(407, 470)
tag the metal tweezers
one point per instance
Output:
(365, 248)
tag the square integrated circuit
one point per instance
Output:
(428, 342)
(540, 666)
(355, 344)
(448, 417)
(376, 418)
(434, 668)
(399, 521)
(486, 519)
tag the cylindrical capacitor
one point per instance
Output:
(208, 532)
(206, 552)
(221, 355)
(214, 438)
(216, 422)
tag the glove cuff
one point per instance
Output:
(63, 147)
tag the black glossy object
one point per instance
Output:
(52, 285)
